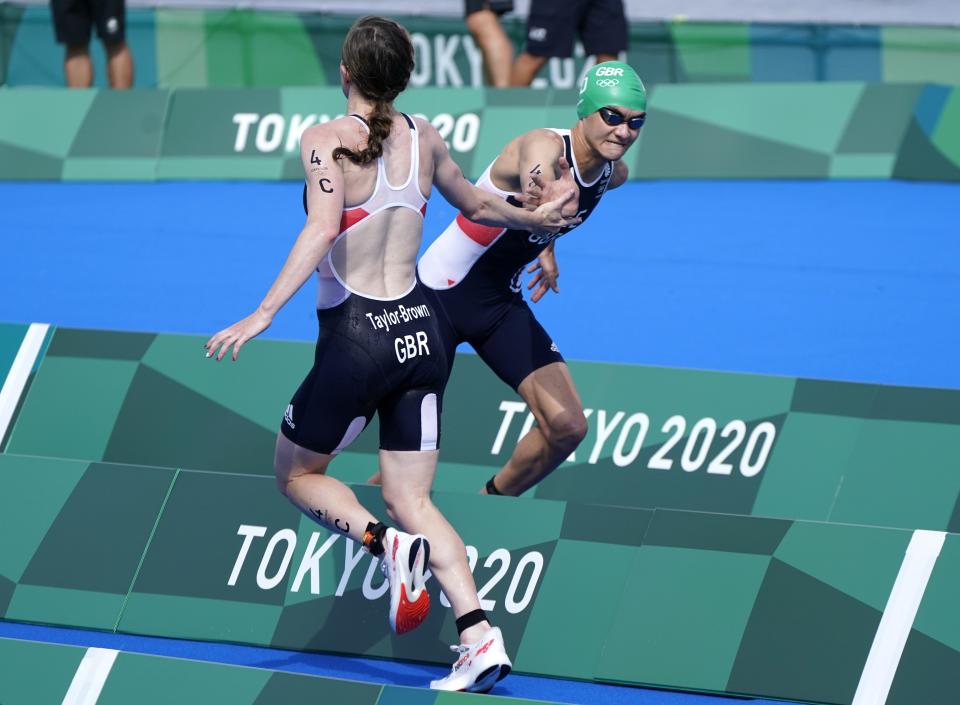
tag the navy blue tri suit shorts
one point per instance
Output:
(372, 356)
(500, 326)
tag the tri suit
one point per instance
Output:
(472, 273)
(372, 354)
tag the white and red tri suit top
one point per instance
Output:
(487, 261)
(331, 288)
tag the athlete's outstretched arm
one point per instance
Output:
(486, 208)
(324, 208)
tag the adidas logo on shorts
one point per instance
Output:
(288, 416)
(553, 347)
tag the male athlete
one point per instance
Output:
(473, 270)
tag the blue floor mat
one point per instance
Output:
(368, 670)
(838, 280)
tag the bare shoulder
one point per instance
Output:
(317, 131)
(426, 128)
(531, 152)
(422, 123)
(321, 136)
(541, 145)
(540, 137)
(334, 129)
(429, 138)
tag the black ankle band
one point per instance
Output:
(373, 538)
(492, 488)
(470, 619)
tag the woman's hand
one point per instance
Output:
(552, 218)
(237, 334)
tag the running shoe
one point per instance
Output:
(404, 562)
(480, 665)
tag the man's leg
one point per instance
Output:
(550, 32)
(603, 30)
(525, 69)
(77, 66)
(487, 32)
(119, 65)
(72, 24)
(555, 404)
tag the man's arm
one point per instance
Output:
(541, 168)
(546, 278)
(324, 208)
(538, 153)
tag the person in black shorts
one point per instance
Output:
(368, 178)
(472, 271)
(483, 22)
(73, 21)
(552, 27)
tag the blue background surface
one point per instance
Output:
(837, 280)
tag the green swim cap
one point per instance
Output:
(611, 83)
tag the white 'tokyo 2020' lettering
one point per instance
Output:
(622, 437)
(276, 558)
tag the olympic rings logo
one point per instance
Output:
(608, 82)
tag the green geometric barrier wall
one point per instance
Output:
(928, 668)
(11, 335)
(116, 396)
(68, 561)
(18, 341)
(863, 131)
(658, 437)
(248, 48)
(40, 674)
(766, 132)
(685, 600)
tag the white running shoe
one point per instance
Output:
(404, 562)
(480, 665)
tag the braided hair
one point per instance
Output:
(378, 53)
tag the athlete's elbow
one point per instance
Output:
(328, 237)
(319, 235)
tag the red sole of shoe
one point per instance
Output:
(410, 615)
